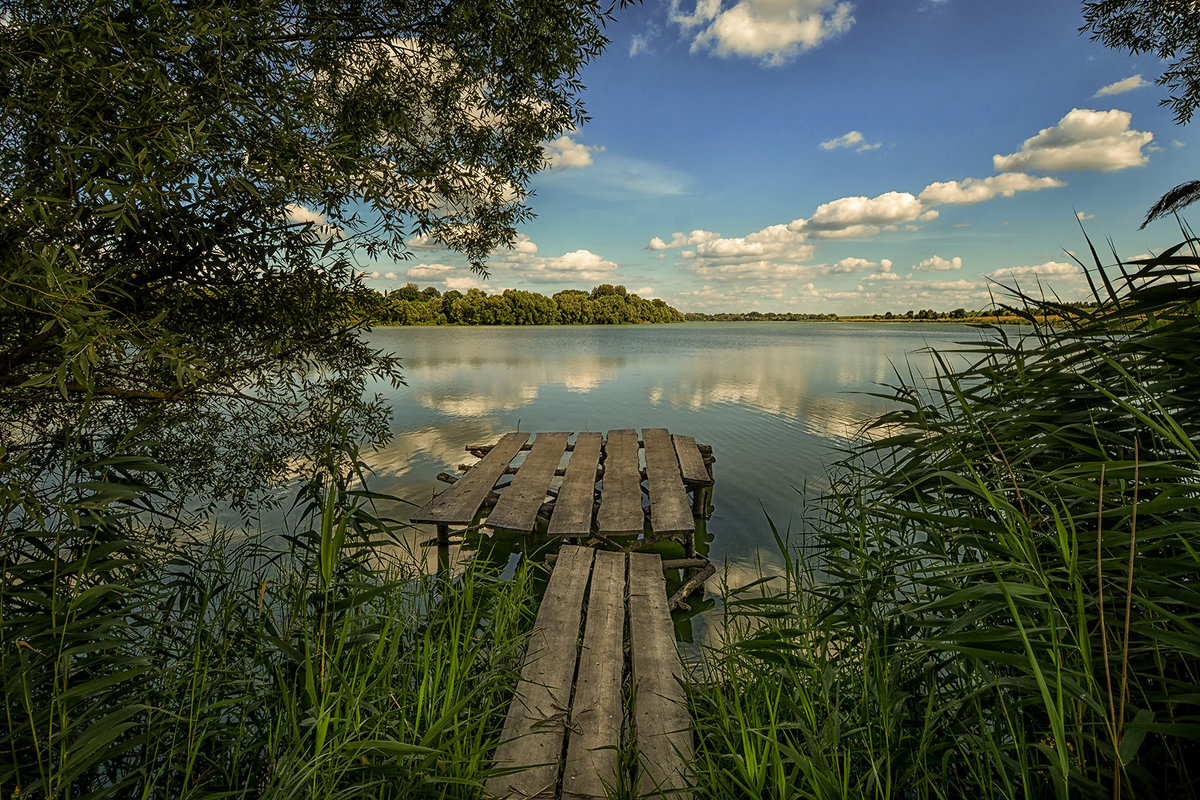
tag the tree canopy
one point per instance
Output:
(187, 191)
(1169, 29)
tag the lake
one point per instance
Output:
(775, 400)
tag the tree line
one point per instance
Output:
(605, 304)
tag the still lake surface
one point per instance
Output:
(775, 400)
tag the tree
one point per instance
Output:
(1170, 29)
(186, 190)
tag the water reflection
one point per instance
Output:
(775, 400)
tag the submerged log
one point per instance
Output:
(695, 582)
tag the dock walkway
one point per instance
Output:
(600, 494)
(574, 714)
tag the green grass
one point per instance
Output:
(1001, 597)
(239, 666)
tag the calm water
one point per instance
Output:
(775, 401)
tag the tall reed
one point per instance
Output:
(1001, 597)
(235, 665)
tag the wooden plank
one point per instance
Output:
(577, 497)
(621, 501)
(459, 504)
(670, 511)
(660, 715)
(536, 722)
(597, 712)
(691, 463)
(519, 504)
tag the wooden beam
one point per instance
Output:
(518, 506)
(661, 719)
(536, 722)
(576, 501)
(621, 501)
(459, 504)
(669, 509)
(597, 712)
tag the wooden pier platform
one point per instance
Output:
(574, 713)
(601, 492)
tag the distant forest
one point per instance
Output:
(603, 305)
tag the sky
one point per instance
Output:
(843, 156)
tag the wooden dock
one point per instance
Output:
(574, 714)
(601, 492)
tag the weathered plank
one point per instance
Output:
(596, 711)
(518, 506)
(577, 497)
(621, 501)
(669, 509)
(660, 717)
(536, 722)
(459, 504)
(691, 463)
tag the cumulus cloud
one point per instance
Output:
(853, 139)
(939, 264)
(318, 227)
(749, 272)
(773, 31)
(1120, 87)
(1082, 140)
(465, 283)
(849, 265)
(566, 153)
(1083, 215)
(430, 272)
(679, 239)
(976, 190)
(779, 242)
(1051, 269)
(863, 215)
(524, 265)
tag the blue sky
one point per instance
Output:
(832, 156)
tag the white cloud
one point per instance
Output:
(1122, 86)
(1083, 215)
(749, 272)
(566, 153)
(853, 139)
(976, 190)
(1051, 269)
(319, 227)
(1177, 143)
(639, 44)
(465, 283)
(430, 272)
(774, 31)
(678, 239)
(1083, 140)
(939, 264)
(646, 292)
(850, 265)
(778, 242)
(523, 265)
(863, 215)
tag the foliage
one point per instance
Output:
(408, 306)
(226, 665)
(185, 187)
(1001, 598)
(1169, 29)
